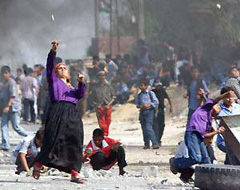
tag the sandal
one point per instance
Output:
(78, 180)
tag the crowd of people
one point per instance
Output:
(60, 95)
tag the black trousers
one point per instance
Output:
(99, 160)
(159, 125)
(29, 112)
(186, 174)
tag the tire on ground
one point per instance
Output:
(220, 177)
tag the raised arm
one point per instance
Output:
(81, 90)
(51, 59)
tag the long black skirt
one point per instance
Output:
(63, 138)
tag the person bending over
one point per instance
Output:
(26, 151)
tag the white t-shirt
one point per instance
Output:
(182, 150)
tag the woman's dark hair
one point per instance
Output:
(98, 132)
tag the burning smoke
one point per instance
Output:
(27, 29)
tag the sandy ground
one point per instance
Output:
(147, 169)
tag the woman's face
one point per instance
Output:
(62, 71)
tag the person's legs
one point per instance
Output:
(149, 127)
(204, 154)
(15, 120)
(97, 161)
(156, 127)
(32, 111)
(121, 160)
(101, 119)
(210, 152)
(26, 106)
(108, 119)
(4, 130)
(186, 175)
(142, 119)
(120, 157)
(159, 125)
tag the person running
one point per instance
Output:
(11, 104)
(63, 137)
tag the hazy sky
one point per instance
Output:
(27, 30)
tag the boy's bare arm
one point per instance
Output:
(24, 161)
(226, 94)
(220, 130)
(115, 147)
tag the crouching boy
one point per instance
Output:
(25, 152)
(104, 152)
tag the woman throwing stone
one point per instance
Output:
(63, 136)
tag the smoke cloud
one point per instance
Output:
(27, 30)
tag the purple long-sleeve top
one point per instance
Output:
(201, 120)
(59, 90)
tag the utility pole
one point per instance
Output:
(118, 34)
(95, 41)
(141, 34)
(111, 28)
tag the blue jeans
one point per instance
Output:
(196, 150)
(146, 120)
(14, 117)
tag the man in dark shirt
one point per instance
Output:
(159, 118)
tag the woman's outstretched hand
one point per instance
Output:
(54, 45)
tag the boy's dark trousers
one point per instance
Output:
(99, 160)
(186, 174)
(29, 110)
(30, 161)
(159, 125)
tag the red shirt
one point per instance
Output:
(107, 144)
